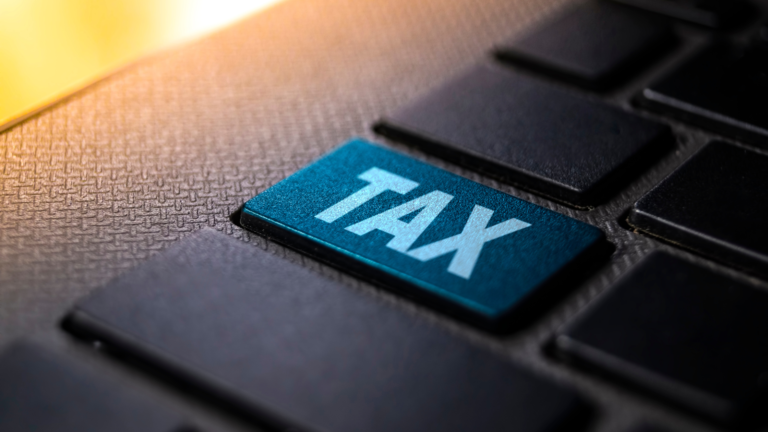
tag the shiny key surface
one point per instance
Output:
(464, 247)
(530, 133)
(44, 391)
(716, 203)
(687, 333)
(594, 44)
(302, 352)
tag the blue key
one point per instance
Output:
(461, 246)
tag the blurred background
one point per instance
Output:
(52, 48)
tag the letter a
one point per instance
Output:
(405, 233)
(381, 181)
(469, 243)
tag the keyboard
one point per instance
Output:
(365, 215)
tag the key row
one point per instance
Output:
(524, 131)
(300, 351)
(529, 133)
(485, 256)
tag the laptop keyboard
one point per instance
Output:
(294, 350)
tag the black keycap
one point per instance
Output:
(719, 14)
(646, 427)
(716, 204)
(723, 88)
(595, 45)
(694, 336)
(41, 391)
(306, 353)
(524, 131)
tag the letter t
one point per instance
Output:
(381, 181)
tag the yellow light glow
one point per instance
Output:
(51, 48)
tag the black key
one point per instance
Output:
(44, 392)
(716, 204)
(719, 14)
(692, 335)
(723, 88)
(306, 353)
(526, 132)
(646, 427)
(594, 45)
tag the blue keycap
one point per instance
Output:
(420, 230)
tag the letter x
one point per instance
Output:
(469, 243)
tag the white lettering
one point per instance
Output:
(469, 243)
(381, 181)
(405, 233)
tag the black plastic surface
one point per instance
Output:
(692, 335)
(646, 427)
(716, 204)
(595, 44)
(723, 88)
(525, 131)
(718, 14)
(41, 391)
(307, 353)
